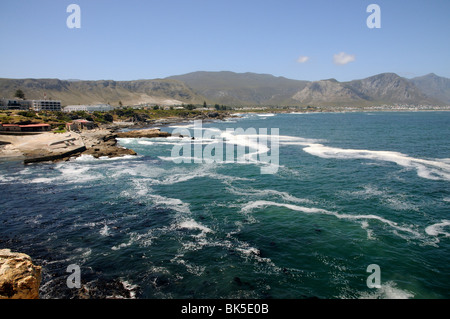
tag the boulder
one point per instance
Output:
(19, 277)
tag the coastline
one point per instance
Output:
(102, 141)
(54, 147)
(99, 142)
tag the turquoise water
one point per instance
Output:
(351, 190)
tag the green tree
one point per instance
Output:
(19, 94)
(108, 117)
(204, 104)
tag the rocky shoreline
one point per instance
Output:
(97, 143)
(103, 143)
(100, 142)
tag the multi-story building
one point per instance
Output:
(46, 105)
(36, 105)
(14, 104)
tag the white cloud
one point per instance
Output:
(343, 58)
(302, 59)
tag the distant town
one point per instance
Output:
(20, 115)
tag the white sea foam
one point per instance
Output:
(146, 143)
(172, 142)
(192, 224)
(394, 201)
(266, 192)
(141, 189)
(89, 158)
(105, 231)
(171, 203)
(6, 178)
(247, 208)
(365, 225)
(84, 158)
(69, 173)
(438, 229)
(430, 169)
(301, 141)
(125, 140)
(130, 288)
(388, 290)
(214, 139)
(265, 114)
(187, 125)
(134, 238)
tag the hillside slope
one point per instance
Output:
(90, 92)
(434, 86)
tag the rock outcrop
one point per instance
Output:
(149, 133)
(19, 277)
(103, 143)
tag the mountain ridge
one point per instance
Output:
(434, 85)
(239, 89)
(157, 91)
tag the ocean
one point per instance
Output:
(349, 190)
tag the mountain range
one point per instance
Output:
(239, 89)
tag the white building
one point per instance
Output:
(46, 105)
(88, 108)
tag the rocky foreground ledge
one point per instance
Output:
(19, 277)
(47, 147)
(103, 143)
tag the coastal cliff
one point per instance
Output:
(19, 277)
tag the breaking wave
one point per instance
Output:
(430, 169)
(249, 207)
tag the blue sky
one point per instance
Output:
(147, 39)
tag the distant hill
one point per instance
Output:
(239, 89)
(327, 93)
(261, 89)
(242, 88)
(434, 86)
(390, 88)
(90, 92)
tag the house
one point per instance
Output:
(24, 128)
(35, 128)
(80, 125)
